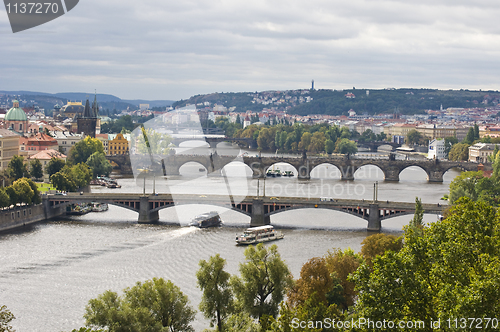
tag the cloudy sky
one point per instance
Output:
(166, 49)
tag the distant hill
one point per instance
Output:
(48, 100)
(337, 102)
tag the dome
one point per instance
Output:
(16, 113)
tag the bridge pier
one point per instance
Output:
(146, 216)
(347, 172)
(391, 174)
(435, 176)
(374, 218)
(258, 216)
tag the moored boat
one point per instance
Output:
(99, 207)
(210, 219)
(259, 234)
(78, 209)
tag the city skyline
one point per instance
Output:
(155, 50)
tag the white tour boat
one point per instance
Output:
(259, 234)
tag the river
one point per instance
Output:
(49, 272)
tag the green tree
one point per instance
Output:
(346, 146)
(36, 169)
(23, 190)
(418, 219)
(448, 143)
(459, 152)
(264, 280)
(36, 193)
(450, 269)
(341, 263)
(217, 299)
(5, 318)
(476, 131)
(469, 139)
(414, 137)
(4, 198)
(315, 279)
(17, 168)
(377, 244)
(80, 173)
(82, 150)
(13, 196)
(155, 305)
(464, 185)
(151, 140)
(54, 166)
(305, 140)
(329, 146)
(99, 164)
(61, 181)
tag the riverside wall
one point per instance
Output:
(25, 215)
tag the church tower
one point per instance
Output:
(88, 121)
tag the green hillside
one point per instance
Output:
(331, 102)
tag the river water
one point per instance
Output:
(49, 272)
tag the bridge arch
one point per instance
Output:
(193, 143)
(369, 171)
(326, 171)
(238, 169)
(193, 169)
(240, 208)
(283, 167)
(417, 171)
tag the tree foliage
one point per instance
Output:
(346, 146)
(17, 168)
(459, 152)
(217, 299)
(54, 166)
(377, 244)
(99, 164)
(155, 305)
(264, 280)
(5, 318)
(36, 169)
(82, 150)
(341, 263)
(451, 269)
(71, 178)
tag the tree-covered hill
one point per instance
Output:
(336, 102)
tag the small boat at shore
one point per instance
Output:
(78, 209)
(259, 234)
(99, 207)
(210, 219)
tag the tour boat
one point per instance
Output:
(259, 234)
(99, 207)
(205, 220)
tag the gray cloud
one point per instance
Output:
(175, 49)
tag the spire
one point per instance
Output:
(87, 112)
(95, 107)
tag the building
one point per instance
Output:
(436, 131)
(66, 140)
(104, 140)
(70, 110)
(45, 156)
(118, 145)
(480, 152)
(38, 142)
(16, 119)
(436, 149)
(87, 122)
(9, 147)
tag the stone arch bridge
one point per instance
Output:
(258, 208)
(434, 169)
